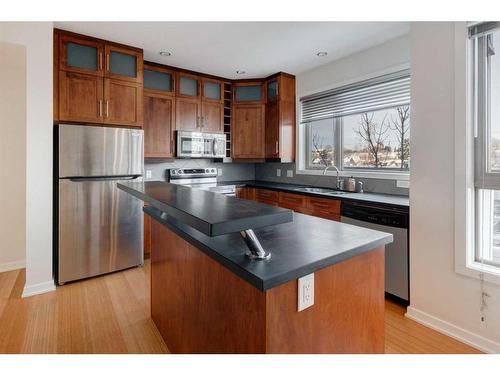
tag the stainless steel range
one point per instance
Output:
(199, 178)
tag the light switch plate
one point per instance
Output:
(289, 173)
(219, 171)
(148, 173)
(306, 292)
(278, 172)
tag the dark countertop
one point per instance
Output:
(298, 248)
(209, 213)
(385, 199)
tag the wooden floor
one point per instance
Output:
(110, 314)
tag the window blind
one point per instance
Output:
(386, 91)
(478, 29)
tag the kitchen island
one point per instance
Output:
(208, 296)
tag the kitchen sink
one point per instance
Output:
(320, 191)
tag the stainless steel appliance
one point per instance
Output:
(390, 220)
(99, 227)
(200, 145)
(200, 178)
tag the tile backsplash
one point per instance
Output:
(267, 172)
(230, 171)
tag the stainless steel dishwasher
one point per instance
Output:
(391, 220)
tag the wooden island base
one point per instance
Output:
(199, 306)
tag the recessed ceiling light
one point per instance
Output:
(240, 72)
(165, 53)
(322, 54)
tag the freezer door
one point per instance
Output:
(98, 151)
(100, 229)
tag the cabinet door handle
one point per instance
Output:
(100, 107)
(202, 121)
(276, 147)
(100, 60)
(107, 108)
(107, 62)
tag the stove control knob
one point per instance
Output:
(180, 172)
(213, 170)
(207, 171)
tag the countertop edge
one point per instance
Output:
(174, 224)
(263, 285)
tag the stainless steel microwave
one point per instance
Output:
(200, 145)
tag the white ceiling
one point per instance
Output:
(259, 48)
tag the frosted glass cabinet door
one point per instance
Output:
(123, 64)
(80, 55)
(188, 86)
(251, 93)
(157, 80)
(272, 90)
(212, 90)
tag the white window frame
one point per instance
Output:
(301, 137)
(465, 262)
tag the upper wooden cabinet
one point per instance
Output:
(81, 97)
(97, 81)
(122, 103)
(159, 112)
(248, 93)
(81, 55)
(123, 63)
(199, 103)
(187, 86)
(248, 132)
(212, 90)
(158, 80)
(280, 118)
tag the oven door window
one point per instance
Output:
(192, 146)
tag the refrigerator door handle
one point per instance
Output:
(104, 178)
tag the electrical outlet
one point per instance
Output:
(306, 292)
(278, 172)
(219, 171)
(148, 173)
(289, 173)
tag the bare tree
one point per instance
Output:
(402, 126)
(374, 135)
(323, 152)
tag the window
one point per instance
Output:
(363, 127)
(486, 98)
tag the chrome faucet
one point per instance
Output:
(337, 185)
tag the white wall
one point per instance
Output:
(365, 64)
(37, 38)
(12, 156)
(440, 297)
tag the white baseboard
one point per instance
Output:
(448, 329)
(31, 290)
(10, 266)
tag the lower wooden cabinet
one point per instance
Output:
(315, 206)
(147, 235)
(159, 114)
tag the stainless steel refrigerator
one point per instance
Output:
(99, 227)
